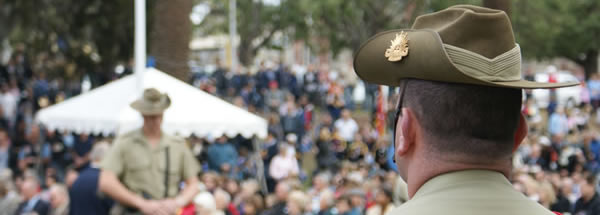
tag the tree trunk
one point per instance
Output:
(248, 29)
(498, 4)
(171, 32)
(245, 52)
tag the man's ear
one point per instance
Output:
(408, 127)
(521, 133)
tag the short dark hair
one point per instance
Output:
(477, 121)
(591, 179)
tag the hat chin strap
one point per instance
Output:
(504, 67)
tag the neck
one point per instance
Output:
(151, 133)
(425, 169)
(589, 197)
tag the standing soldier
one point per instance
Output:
(458, 117)
(144, 168)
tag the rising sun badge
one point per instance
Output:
(398, 49)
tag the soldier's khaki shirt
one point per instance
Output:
(141, 167)
(471, 192)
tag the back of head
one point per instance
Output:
(327, 198)
(343, 204)
(282, 189)
(59, 195)
(588, 186)
(222, 199)
(250, 186)
(322, 180)
(470, 121)
(98, 151)
(299, 199)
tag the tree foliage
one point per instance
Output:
(555, 28)
(257, 23)
(348, 23)
(73, 37)
(69, 38)
(544, 29)
(326, 25)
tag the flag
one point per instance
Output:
(380, 113)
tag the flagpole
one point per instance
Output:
(140, 43)
(232, 34)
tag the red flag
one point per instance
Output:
(380, 113)
(552, 79)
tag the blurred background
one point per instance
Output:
(290, 62)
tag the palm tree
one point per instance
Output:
(171, 32)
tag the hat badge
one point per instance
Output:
(398, 49)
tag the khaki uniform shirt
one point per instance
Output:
(470, 192)
(141, 167)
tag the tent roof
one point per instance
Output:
(106, 110)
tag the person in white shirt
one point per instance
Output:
(346, 126)
(8, 101)
(284, 164)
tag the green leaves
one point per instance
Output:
(69, 35)
(69, 32)
(556, 28)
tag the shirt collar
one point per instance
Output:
(141, 139)
(453, 179)
(32, 202)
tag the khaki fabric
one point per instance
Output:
(470, 192)
(141, 167)
(152, 102)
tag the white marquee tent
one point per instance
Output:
(106, 110)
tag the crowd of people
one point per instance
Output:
(323, 154)
(557, 164)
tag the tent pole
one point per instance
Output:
(40, 146)
(260, 166)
